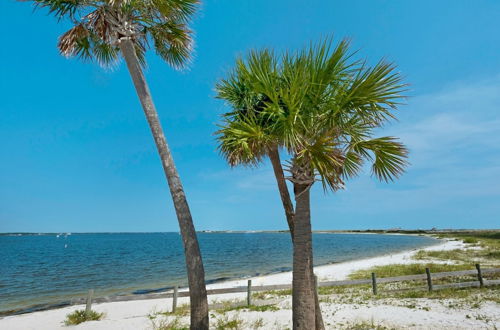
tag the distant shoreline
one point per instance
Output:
(328, 231)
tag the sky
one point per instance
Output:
(76, 154)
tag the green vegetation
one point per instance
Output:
(484, 249)
(474, 296)
(79, 316)
(182, 310)
(228, 322)
(470, 298)
(251, 308)
(364, 325)
(329, 290)
(168, 324)
(406, 269)
(278, 293)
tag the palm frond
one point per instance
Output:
(172, 42)
(319, 105)
(375, 92)
(99, 25)
(62, 8)
(243, 142)
(389, 156)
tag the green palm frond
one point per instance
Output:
(174, 10)
(318, 104)
(353, 163)
(243, 142)
(326, 159)
(63, 8)
(375, 92)
(172, 42)
(83, 43)
(389, 156)
(99, 25)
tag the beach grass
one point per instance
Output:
(80, 316)
(484, 248)
(228, 322)
(406, 269)
(412, 296)
(364, 325)
(251, 308)
(168, 324)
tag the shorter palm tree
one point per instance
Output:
(321, 108)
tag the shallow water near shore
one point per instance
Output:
(50, 268)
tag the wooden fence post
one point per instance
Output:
(249, 293)
(174, 299)
(374, 284)
(429, 278)
(479, 275)
(88, 307)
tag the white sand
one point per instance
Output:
(133, 314)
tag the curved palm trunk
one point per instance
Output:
(274, 156)
(195, 271)
(289, 212)
(303, 288)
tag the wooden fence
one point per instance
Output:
(374, 281)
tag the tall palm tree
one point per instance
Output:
(321, 108)
(104, 30)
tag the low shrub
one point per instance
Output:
(80, 316)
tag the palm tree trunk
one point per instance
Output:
(289, 212)
(194, 264)
(274, 156)
(303, 289)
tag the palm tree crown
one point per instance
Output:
(99, 25)
(319, 105)
(323, 109)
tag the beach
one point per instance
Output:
(134, 314)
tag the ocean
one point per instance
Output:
(50, 268)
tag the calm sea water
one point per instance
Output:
(44, 269)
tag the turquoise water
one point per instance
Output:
(48, 269)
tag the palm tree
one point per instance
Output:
(104, 30)
(321, 108)
(237, 151)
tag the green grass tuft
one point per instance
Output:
(227, 322)
(182, 310)
(79, 316)
(167, 324)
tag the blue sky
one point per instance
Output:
(76, 153)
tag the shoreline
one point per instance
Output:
(339, 270)
(284, 276)
(134, 314)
